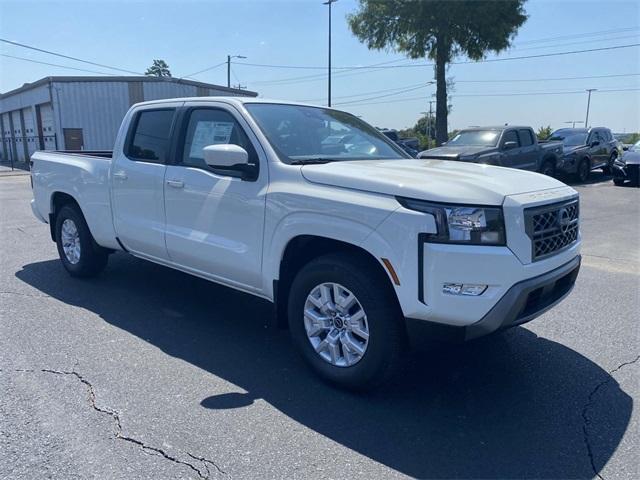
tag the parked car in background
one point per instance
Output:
(627, 166)
(355, 244)
(587, 149)
(506, 146)
(409, 145)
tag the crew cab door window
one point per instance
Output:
(510, 136)
(150, 135)
(211, 127)
(525, 137)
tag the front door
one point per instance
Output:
(597, 149)
(511, 156)
(137, 180)
(73, 139)
(214, 220)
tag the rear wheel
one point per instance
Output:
(583, 171)
(618, 182)
(345, 322)
(79, 253)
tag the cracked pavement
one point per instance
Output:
(149, 373)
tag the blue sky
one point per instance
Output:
(193, 36)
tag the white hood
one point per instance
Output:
(434, 180)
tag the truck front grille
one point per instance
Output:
(552, 228)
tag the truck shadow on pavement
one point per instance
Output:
(509, 406)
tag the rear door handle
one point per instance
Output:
(120, 175)
(175, 183)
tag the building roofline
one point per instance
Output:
(182, 81)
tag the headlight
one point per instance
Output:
(463, 224)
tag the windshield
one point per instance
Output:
(570, 139)
(485, 138)
(635, 147)
(298, 133)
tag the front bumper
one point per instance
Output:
(523, 302)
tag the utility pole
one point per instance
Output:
(329, 2)
(229, 57)
(586, 120)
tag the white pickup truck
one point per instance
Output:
(311, 208)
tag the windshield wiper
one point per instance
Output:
(313, 161)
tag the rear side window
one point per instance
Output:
(510, 136)
(149, 139)
(525, 137)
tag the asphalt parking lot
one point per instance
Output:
(145, 372)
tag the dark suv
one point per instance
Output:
(587, 149)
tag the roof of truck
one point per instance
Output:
(228, 99)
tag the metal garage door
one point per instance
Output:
(17, 135)
(48, 134)
(30, 133)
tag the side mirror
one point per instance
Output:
(225, 155)
(625, 148)
(230, 157)
(510, 145)
(595, 143)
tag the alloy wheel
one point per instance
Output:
(70, 241)
(336, 324)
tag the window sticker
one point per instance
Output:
(209, 133)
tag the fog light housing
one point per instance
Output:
(470, 290)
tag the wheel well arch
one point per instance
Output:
(59, 200)
(299, 251)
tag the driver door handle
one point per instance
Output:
(120, 175)
(175, 183)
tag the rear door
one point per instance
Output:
(215, 220)
(137, 181)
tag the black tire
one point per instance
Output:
(618, 182)
(608, 169)
(548, 168)
(93, 258)
(387, 335)
(583, 170)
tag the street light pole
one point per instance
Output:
(329, 2)
(586, 120)
(229, 57)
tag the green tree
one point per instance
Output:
(544, 132)
(158, 69)
(439, 30)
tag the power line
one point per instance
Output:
(547, 79)
(396, 89)
(67, 56)
(386, 95)
(55, 65)
(577, 35)
(205, 70)
(522, 57)
(513, 94)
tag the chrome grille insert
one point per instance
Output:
(552, 228)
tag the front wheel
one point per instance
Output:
(79, 253)
(548, 168)
(345, 321)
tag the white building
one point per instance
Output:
(82, 113)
